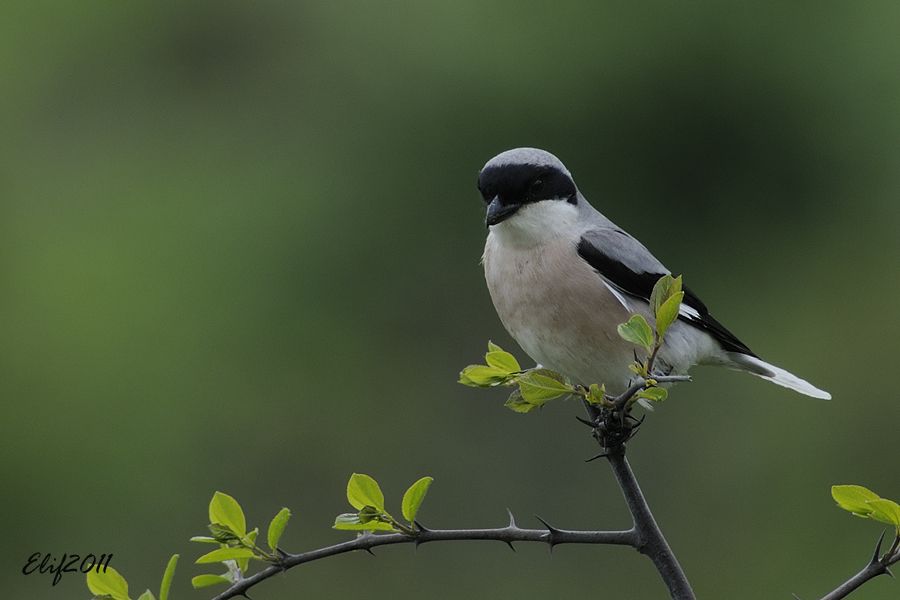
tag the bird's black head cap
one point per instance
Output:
(523, 176)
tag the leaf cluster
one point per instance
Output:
(665, 303)
(863, 502)
(110, 584)
(236, 545)
(533, 387)
(365, 495)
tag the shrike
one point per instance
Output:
(562, 277)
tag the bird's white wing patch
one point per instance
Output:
(688, 311)
(617, 294)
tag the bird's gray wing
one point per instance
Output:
(627, 267)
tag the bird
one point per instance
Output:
(562, 277)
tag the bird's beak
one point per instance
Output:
(498, 212)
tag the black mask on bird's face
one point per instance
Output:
(508, 187)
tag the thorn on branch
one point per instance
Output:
(512, 519)
(590, 424)
(637, 422)
(552, 532)
(894, 546)
(510, 544)
(420, 527)
(417, 540)
(876, 556)
(593, 458)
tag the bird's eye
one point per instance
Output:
(537, 184)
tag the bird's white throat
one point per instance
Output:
(537, 223)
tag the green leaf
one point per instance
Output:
(202, 581)
(223, 554)
(492, 347)
(854, 498)
(413, 498)
(637, 331)
(204, 539)
(147, 595)
(482, 376)
(223, 534)
(517, 403)
(351, 522)
(276, 527)
(664, 288)
(667, 313)
(370, 513)
(225, 510)
(885, 511)
(249, 542)
(167, 578)
(548, 373)
(538, 388)
(655, 394)
(596, 394)
(363, 491)
(503, 361)
(109, 583)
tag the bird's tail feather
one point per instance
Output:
(776, 375)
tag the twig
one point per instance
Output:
(509, 534)
(622, 399)
(877, 565)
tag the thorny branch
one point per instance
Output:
(551, 536)
(879, 564)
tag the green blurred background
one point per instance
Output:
(239, 249)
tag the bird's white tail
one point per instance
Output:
(778, 376)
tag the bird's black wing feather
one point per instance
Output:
(626, 264)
